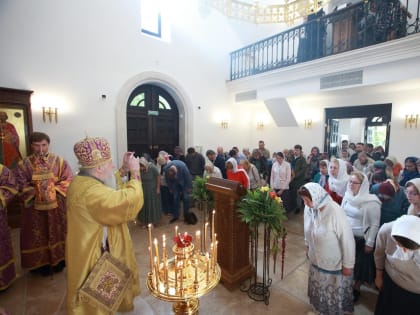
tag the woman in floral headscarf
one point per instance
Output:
(331, 251)
(363, 211)
(337, 179)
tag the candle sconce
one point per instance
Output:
(411, 121)
(50, 113)
(189, 274)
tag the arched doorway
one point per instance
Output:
(152, 121)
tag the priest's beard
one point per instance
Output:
(111, 181)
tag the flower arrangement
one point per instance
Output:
(262, 205)
(183, 240)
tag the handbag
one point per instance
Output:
(106, 283)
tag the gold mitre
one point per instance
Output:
(92, 152)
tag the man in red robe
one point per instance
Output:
(43, 179)
(7, 260)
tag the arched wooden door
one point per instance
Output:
(152, 121)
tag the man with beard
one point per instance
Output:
(98, 212)
(43, 179)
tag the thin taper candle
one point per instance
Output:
(176, 231)
(198, 242)
(156, 250)
(151, 259)
(205, 236)
(149, 228)
(212, 225)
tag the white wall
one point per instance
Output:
(72, 52)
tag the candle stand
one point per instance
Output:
(190, 273)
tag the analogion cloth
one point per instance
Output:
(7, 261)
(43, 183)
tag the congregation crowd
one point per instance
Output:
(361, 213)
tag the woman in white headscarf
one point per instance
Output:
(412, 191)
(236, 174)
(363, 211)
(397, 259)
(337, 179)
(331, 252)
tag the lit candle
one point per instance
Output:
(151, 259)
(163, 246)
(205, 235)
(156, 249)
(182, 279)
(149, 228)
(156, 274)
(212, 225)
(176, 274)
(176, 231)
(207, 267)
(212, 255)
(198, 242)
(166, 276)
(215, 254)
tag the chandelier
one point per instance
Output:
(289, 12)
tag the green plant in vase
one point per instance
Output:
(263, 206)
(203, 196)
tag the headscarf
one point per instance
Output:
(236, 169)
(407, 175)
(362, 196)
(144, 162)
(407, 226)
(319, 195)
(338, 184)
(415, 182)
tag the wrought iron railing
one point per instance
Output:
(356, 26)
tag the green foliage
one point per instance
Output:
(199, 191)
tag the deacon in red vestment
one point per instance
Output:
(7, 260)
(43, 179)
(9, 146)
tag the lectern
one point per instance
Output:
(232, 233)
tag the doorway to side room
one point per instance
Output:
(152, 121)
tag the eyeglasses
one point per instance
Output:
(354, 183)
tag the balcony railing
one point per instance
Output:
(356, 26)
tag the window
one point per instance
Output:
(151, 21)
(138, 100)
(156, 18)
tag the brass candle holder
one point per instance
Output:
(189, 274)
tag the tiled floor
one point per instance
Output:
(33, 294)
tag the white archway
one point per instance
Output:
(172, 87)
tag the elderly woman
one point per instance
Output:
(210, 170)
(363, 211)
(337, 179)
(236, 174)
(397, 259)
(331, 252)
(151, 210)
(253, 174)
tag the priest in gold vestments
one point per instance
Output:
(94, 202)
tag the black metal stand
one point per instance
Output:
(257, 290)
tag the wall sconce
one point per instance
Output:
(411, 121)
(224, 124)
(260, 125)
(50, 113)
(308, 123)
